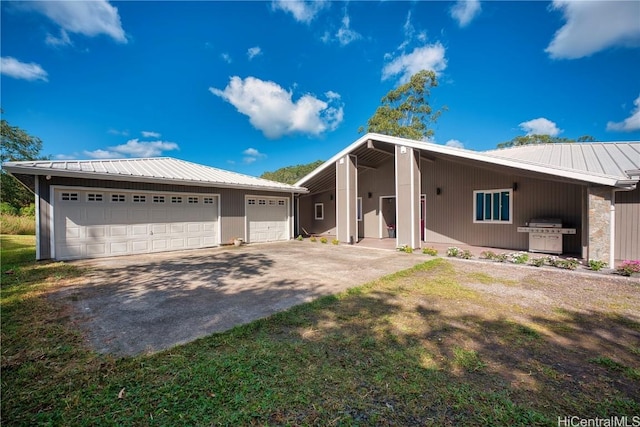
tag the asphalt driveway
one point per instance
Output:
(137, 304)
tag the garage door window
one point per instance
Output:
(69, 197)
(158, 199)
(176, 199)
(94, 197)
(139, 199)
(192, 200)
(280, 202)
(262, 202)
(118, 198)
(251, 201)
(207, 200)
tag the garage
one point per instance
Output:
(267, 219)
(91, 223)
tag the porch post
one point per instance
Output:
(347, 199)
(408, 179)
(600, 204)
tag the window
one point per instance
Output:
(319, 210)
(359, 209)
(118, 198)
(280, 202)
(192, 200)
(492, 206)
(251, 201)
(94, 197)
(69, 197)
(158, 199)
(272, 202)
(176, 199)
(139, 199)
(262, 202)
(207, 200)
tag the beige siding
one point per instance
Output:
(379, 182)
(627, 225)
(308, 223)
(449, 216)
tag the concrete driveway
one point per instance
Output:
(137, 304)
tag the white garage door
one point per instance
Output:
(267, 219)
(93, 223)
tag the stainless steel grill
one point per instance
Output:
(545, 235)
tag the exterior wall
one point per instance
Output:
(308, 223)
(232, 203)
(449, 215)
(599, 201)
(377, 182)
(627, 225)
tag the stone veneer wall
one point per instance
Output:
(599, 223)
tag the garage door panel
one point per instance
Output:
(267, 219)
(87, 225)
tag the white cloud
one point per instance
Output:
(429, 57)
(454, 143)
(302, 11)
(150, 134)
(346, 35)
(90, 18)
(540, 126)
(134, 148)
(226, 58)
(270, 108)
(253, 52)
(592, 26)
(631, 123)
(63, 40)
(251, 155)
(118, 132)
(21, 70)
(465, 10)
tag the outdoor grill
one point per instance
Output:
(545, 235)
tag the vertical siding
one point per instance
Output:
(307, 213)
(45, 217)
(449, 216)
(627, 225)
(379, 182)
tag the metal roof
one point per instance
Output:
(610, 158)
(563, 164)
(157, 169)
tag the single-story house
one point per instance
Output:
(98, 208)
(419, 193)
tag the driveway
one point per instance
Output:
(141, 304)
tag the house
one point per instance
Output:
(419, 193)
(98, 208)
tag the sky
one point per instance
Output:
(255, 86)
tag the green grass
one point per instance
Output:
(397, 351)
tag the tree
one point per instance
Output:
(405, 112)
(291, 174)
(16, 145)
(542, 139)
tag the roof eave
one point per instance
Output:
(27, 170)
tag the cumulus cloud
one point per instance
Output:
(251, 155)
(21, 70)
(271, 109)
(302, 11)
(150, 134)
(454, 143)
(631, 123)
(252, 52)
(592, 26)
(464, 11)
(540, 126)
(133, 148)
(90, 18)
(429, 57)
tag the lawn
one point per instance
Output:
(440, 344)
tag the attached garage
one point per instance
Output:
(101, 222)
(267, 219)
(103, 208)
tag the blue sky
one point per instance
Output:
(254, 86)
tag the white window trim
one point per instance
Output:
(493, 221)
(315, 211)
(359, 209)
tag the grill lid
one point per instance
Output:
(546, 222)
